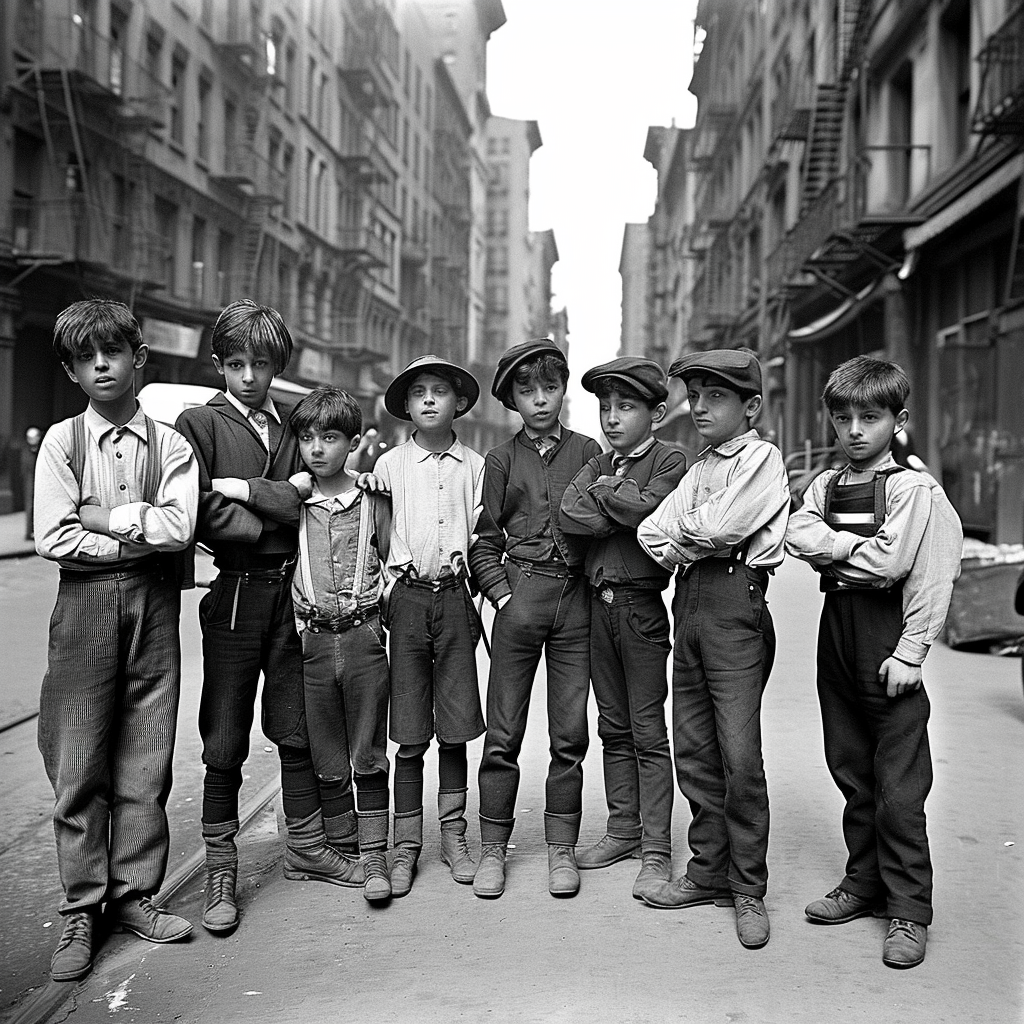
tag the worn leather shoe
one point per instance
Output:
(72, 959)
(752, 927)
(656, 871)
(455, 851)
(684, 893)
(221, 912)
(563, 877)
(377, 883)
(489, 882)
(840, 906)
(606, 851)
(904, 945)
(403, 870)
(141, 916)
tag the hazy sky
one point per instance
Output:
(594, 74)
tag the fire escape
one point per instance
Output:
(90, 107)
(1000, 113)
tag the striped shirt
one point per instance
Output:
(113, 477)
(735, 492)
(436, 499)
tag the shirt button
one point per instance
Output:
(440, 520)
(124, 487)
(119, 455)
(440, 487)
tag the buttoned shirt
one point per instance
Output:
(436, 499)
(736, 492)
(544, 442)
(259, 422)
(113, 477)
(621, 463)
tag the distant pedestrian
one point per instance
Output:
(115, 492)
(336, 589)
(629, 627)
(250, 494)
(887, 544)
(724, 526)
(436, 488)
(532, 572)
(29, 454)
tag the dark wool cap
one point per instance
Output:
(464, 382)
(737, 366)
(512, 358)
(644, 376)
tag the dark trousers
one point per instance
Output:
(346, 694)
(107, 714)
(434, 686)
(248, 628)
(629, 647)
(551, 616)
(876, 748)
(724, 649)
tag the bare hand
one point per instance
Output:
(303, 483)
(231, 487)
(94, 518)
(372, 484)
(899, 677)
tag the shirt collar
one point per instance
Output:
(889, 463)
(344, 500)
(268, 406)
(731, 447)
(637, 453)
(555, 433)
(99, 426)
(421, 454)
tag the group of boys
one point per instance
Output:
(317, 564)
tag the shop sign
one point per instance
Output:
(171, 339)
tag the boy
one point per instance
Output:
(436, 486)
(887, 544)
(336, 588)
(113, 491)
(532, 571)
(724, 526)
(249, 501)
(629, 629)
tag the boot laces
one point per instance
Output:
(220, 885)
(748, 904)
(901, 927)
(76, 929)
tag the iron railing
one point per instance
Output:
(1000, 107)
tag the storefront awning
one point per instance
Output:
(835, 320)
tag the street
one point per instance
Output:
(312, 952)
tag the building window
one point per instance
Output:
(225, 252)
(310, 86)
(178, 67)
(166, 217)
(289, 77)
(154, 54)
(287, 172)
(203, 122)
(198, 259)
(418, 90)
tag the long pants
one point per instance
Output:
(552, 616)
(876, 748)
(346, 693)
(724, 649)
(107, 714)
(629, 647)
(248, 628)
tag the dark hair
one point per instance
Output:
(246, 326)
(92, 321)
(327, 408)
(704, 376)
(546, 367)
(864, 381)
(605, 387)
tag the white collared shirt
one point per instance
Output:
(436, 498)
(267, 407)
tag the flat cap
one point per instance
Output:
(512, 358)
(737, 366)
(463, 381)
(644, 376)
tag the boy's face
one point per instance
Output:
(539, 402)
(432, 403)
(107, 373)
(865, 432)
(718, 412)
(626, 420)
(324, 450)
(247, 376)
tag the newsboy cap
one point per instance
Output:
(512, 358)
(463, 381)
(737, 366)
(644, 376)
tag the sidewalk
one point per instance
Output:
(12, 537)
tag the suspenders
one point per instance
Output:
(151, 477)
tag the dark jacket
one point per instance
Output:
(520, 517)
(612, 509)
(264, 528)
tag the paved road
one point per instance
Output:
(309, 952)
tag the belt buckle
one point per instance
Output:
(606, 594)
